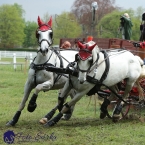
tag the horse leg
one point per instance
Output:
(27, 89)
(40, 87)
(50, 114)
(66, 107)
(59, 105)
(119, 106)
(68, 114)
(106, 102)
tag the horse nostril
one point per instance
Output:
(81, 82)
(40, 50)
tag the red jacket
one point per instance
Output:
(142, 44)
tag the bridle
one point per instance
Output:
(77, 55)
(51, 35)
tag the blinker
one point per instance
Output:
(84, 55)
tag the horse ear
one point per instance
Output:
(80, 45)
(39, 21)
(92, 47)
(50, 22)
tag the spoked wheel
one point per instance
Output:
(142, 82)
(112, 106)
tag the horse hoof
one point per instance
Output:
(115, 118)
(43, 121)
(102, 115)
(10, 123)
(31, 108)
(66, 116)
(50, 123)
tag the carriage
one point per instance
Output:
(43, 68)
(135, 102)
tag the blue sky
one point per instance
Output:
(33, 8)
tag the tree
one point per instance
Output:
(21, 12)
(139, 12)
(30, 37)
(11, 26)
(82, 9)
(46, 17)
(108, 26)
(66, 26)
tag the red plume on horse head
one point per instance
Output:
(86, 46)
(83, 53)
(44, 26)
(80, 45)
(50, 22)
(40, 22)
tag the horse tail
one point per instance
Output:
(140, 60)
(142, 76)
(138, 85)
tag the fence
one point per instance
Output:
(17, 54)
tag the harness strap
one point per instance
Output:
(98, 83)
(38, 67)
(97, 87)
(107, 63)
(43, 66)
(61, 62)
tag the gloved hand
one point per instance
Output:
(136, 44)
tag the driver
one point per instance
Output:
(139, 44)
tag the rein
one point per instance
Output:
(98, 83)
(50, 67)
(70, 63)
(97, 65)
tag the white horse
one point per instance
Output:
(97, 68)
(39, 76)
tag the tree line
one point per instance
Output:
(16, 32)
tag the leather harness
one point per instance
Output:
(38, 67)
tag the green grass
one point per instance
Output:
(84, 128)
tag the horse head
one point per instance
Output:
(84, 60)
(44, 35)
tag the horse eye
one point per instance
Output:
(51, 35)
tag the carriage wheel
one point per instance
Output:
(123, 113)
(142, 83)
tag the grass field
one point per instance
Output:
(84, 128)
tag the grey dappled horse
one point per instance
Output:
(38, 76)
(96, 68)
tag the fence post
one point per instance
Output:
(14, 61)
(30, 58)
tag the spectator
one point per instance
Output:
(126, 26)
(89, 38)
(142, 28)
(66, 45)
